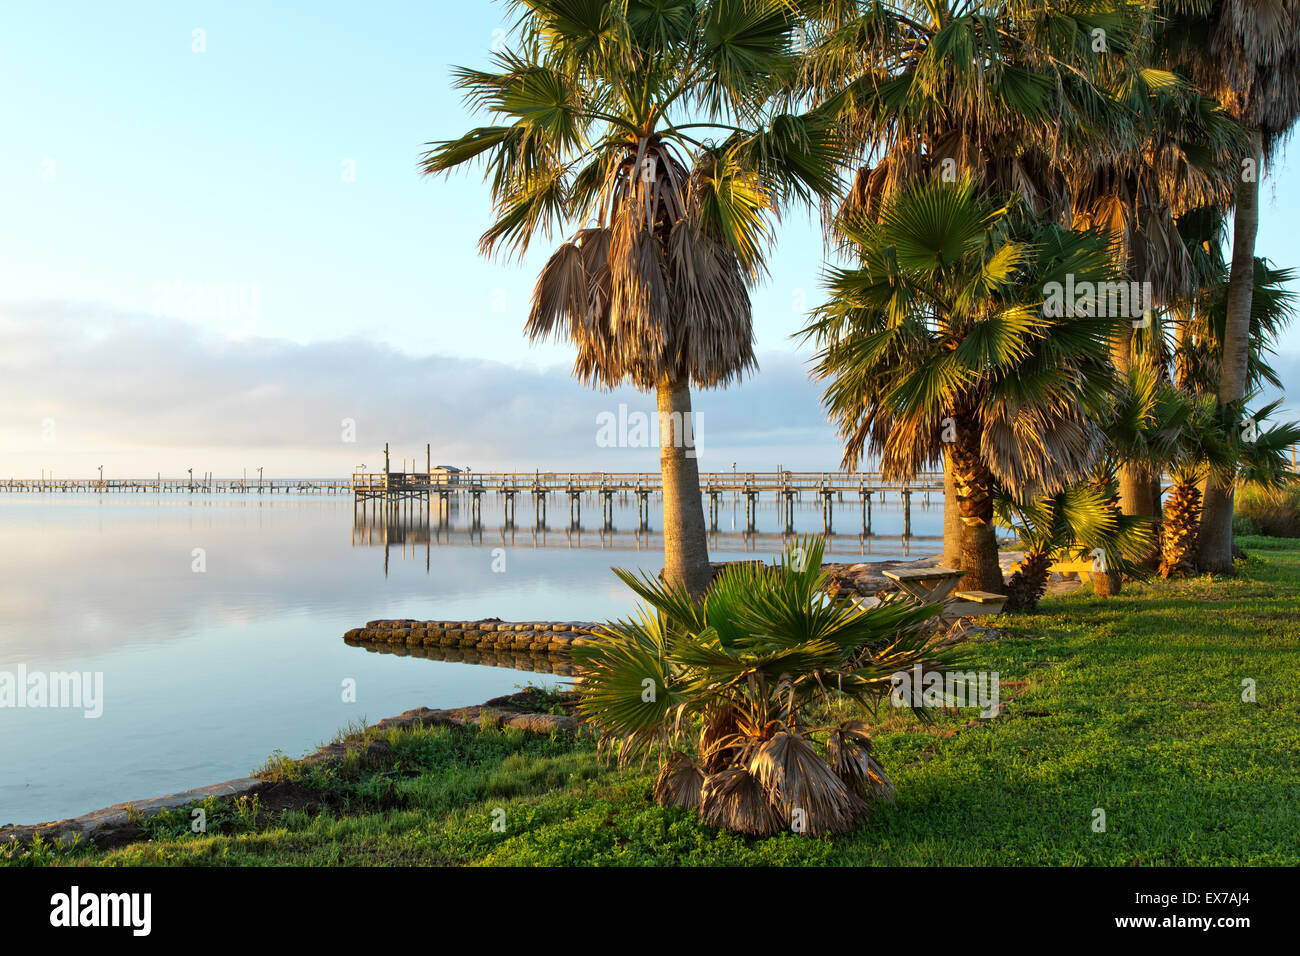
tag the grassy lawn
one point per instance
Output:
(1131, 705)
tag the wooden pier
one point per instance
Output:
(396, 491)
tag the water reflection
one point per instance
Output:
(416, 528)
(537, 662)
(207, 671)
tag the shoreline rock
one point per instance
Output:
(487, 634)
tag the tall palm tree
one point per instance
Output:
(944, 343)
(1175, 158)
(1001, 91)
(1178, 164)
(650, 132)
(1245, 53)
(995, 90)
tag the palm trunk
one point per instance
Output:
(952, 526)
(1134, 490)
(1134, 477)
(1146, 503)
(1178, 534)
(1215, 544)
(1182, 358)
(686, 547)
(1027, 586)
(1108, 583)
(974, 486)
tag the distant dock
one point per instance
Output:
(179, 486)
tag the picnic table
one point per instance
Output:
(939, 586)
(927, 585)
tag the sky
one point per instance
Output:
(217, 252)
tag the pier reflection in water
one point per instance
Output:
(415, 528)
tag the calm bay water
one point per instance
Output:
(206, 672)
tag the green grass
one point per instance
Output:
(1131, 705)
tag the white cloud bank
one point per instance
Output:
(141, 394)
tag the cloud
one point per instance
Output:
(152, 394)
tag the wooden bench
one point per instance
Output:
(939, 586)
(1080, 566)
(974, 604)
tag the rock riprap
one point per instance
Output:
(488, 634)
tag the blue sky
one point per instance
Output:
(276, 171)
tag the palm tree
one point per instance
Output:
(1249, 457)
(1142, 425)
(1254, 456)
(729, 691)
(1203, 446)
(1178, 164)
(650, 132)
(948, 342)
(996, 90)
(1245, 53)
(1210, 449)
(1073, 523)
(1003, 92)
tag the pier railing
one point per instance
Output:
(380, 484)
(581, 482)
(159, 485)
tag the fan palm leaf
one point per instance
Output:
(661, 138)
(736, 673)
(942, 345)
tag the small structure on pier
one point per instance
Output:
(444, 475)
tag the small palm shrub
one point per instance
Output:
(1070, 524)
(730, 692)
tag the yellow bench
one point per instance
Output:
(1080, 566)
